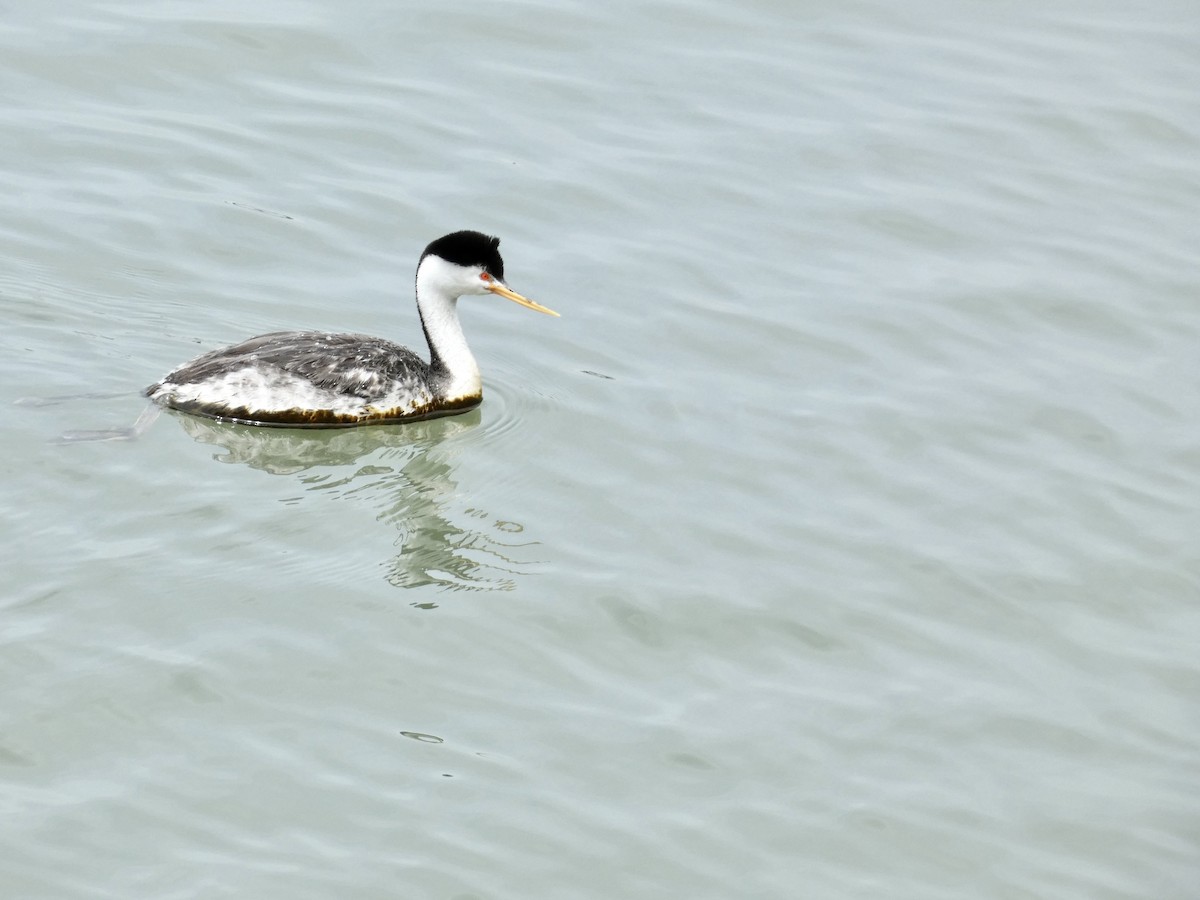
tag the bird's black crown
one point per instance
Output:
(469, 248)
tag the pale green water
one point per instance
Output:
(839, 540)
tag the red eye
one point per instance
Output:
(484, 276)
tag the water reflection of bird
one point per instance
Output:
(318, 379)
(406, 477)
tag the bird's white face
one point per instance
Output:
(458, 281)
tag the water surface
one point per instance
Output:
(838, 541)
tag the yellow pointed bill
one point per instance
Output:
(497, 288)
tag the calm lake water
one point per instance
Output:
(840, 539)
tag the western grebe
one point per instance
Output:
(319, 380)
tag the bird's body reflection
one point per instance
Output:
(406, 472)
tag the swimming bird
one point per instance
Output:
(316, 379)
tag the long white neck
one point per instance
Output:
(437, 303)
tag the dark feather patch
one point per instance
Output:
(469, 248)
(332, 362)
